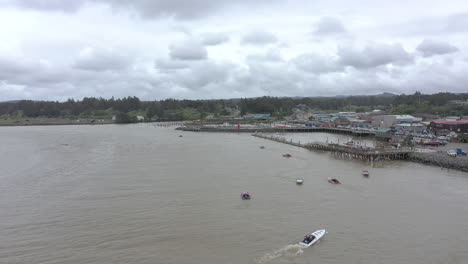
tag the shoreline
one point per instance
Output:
(52, 122)
(438, 158)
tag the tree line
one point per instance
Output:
(175, 110)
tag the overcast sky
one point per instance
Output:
(209, 49)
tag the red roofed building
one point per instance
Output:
(456, 125)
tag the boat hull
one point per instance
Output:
(330, 180)
(317, 234)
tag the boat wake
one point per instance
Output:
(287, 251)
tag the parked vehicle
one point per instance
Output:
(435, 143)
(461, 152)
(452, 153)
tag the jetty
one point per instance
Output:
(351, 152)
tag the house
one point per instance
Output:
(383, 133)
(387, 121)
(407, 119)
(346, 114)
(417, 127)
(360, 123)
(426, 117)
(342, 121)
(383, 121)
(456, 125)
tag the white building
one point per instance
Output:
(386, 121)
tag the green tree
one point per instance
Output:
(124, 118)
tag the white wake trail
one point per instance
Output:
(287, 251)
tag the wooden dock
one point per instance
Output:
(351, 152)
(362, 133)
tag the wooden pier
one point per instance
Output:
(350, 152)
(170, 124)
(231, 128)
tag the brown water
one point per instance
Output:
(142, 194)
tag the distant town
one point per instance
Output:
(424, 119)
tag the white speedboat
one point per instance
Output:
(299, 181)
(312, 238)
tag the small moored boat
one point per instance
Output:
(334, 181)
(246, 196)
(262, 147)
(299, 181)
(287, 155)
(312, 238)
(365, 173)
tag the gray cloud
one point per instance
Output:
(457, 23)
(189, 50)
(375, 55)
(329, 26)
(431, 47)
(259, 38)
(180, 9)
(11, 66)
(203, 74)
(212, 39)
(317, 64)
(101, 60)
(165, 65)
(45, 5)
(144, 57)
(430, 25)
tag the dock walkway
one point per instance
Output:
(277, 130)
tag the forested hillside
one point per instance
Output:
(172, 109)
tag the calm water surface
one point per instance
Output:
(142, 194)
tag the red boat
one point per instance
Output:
(334, 181)
(287, 155)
